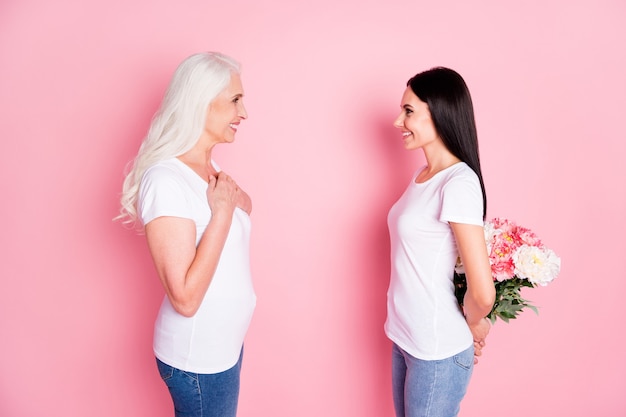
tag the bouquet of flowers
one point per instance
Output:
(518, 259)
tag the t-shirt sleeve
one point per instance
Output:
(462, 201)
(161, 193)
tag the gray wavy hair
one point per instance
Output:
(178, 124)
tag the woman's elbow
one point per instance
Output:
(486, 298)
(482, 300)
(185, 308)
(187, 312)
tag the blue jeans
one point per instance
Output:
(203, 395)
(430, 388)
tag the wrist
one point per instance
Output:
(221, 216)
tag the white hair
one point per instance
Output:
(178, 124)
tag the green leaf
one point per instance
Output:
(508, 303)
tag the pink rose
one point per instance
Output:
(528, 237)
(503, 270)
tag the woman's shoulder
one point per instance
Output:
(166, 164)
(461, 170)
(460, 176)
(166, 167)
(165, 171)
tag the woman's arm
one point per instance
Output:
(481, 292)
(186, 271)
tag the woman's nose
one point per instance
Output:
(242, 112)
(399, 122)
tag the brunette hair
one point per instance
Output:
(452, 113)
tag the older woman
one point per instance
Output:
(197, 226)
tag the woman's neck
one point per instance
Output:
(436, 162)
(200, 161)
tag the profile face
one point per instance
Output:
(415, 122)
(225, 112)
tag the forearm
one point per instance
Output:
(202, 269)
(477, 304)
(476, 307)
(480, 294)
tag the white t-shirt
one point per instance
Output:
(423, 315)
(211, 340)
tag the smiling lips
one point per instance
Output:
(406, 135)
(233, 126)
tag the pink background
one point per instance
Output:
(80, 80)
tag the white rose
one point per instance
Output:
(490, 235)
(538, 265)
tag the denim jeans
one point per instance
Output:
(203, 395)
(434, 388)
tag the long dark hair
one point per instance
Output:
(451, 110)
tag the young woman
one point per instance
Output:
(197, 226)
(438, 218)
